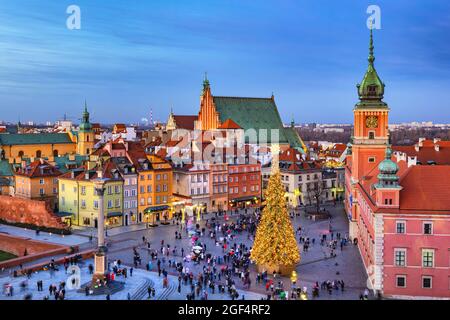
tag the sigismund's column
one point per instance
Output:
(100, 258)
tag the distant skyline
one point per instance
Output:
(133, 56)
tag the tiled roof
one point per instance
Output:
(426, 188)
(34, 138)
(229, 124)
(428, 152)
(291, 155)
(37, 169)
(185, 122)
(252, 113)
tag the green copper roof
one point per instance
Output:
(252, 113)
(293, 139)
(62, 162)
(34, 138)
(5, 169)
(371, 88)
(85, 125)
(388, 172)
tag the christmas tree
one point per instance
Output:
(275, 247)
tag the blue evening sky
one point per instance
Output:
(133, 55)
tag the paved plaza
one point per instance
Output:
(316, 264)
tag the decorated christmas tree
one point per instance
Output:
(275, 247)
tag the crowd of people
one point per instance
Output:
(216, 260)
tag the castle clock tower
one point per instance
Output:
(370, 133)
(370, 136)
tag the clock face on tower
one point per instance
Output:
(372, 122)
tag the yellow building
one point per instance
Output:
(154, 188)
(85, 137)
(15, 147)
(78, 199)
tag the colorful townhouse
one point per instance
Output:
(130, 177)
(78, 201)
(38, 181)
(244, 181)
(398, 209)
(193, 181)
(154, 185)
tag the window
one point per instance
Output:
(371, 135)
(427, 258)
(110, 204)
(400, 227)
(83, 204)
(428, 228)
(158, 177)
(55, 190)
(117, 203)
(41, 181)
(83, 190)
(427, 282)
(126, 193)
(117, 189)
(95, 204)
(63, 187)
(149, 200)
(109, 190)
(371, 159)
(400, 281)
(41, 192)
(400, 257)
(149, 189)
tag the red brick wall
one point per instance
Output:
(35, 249)
(17, 245)
(28, 211)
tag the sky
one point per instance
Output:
(133, 56)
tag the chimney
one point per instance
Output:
(86, 175)
(417, 146)
(421, 140)
(100, 174)
(72, 174)
(436, 147)
(436, 140)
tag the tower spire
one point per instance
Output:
(205, 82)
(371, 46)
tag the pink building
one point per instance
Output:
(398, 209)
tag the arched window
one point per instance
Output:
(87, 138)
(38, 154)
(55, 153)
(21, 153)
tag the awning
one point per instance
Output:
(113, 214)
(249, 198)
(63, 214)
(156, 209)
